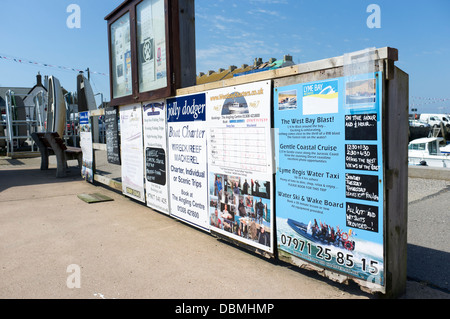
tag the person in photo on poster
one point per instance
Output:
(215, 220)
(245, 188)
(263, 237)
(259, 209)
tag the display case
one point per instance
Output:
(144, 49)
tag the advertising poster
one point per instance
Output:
(329, 163)
(186, 131)
(132, 151)
(241, 163)
(112, 135)
(87, 171)
(155, 152)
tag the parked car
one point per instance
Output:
(418, 123)
(435, 119)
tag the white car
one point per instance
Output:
(418, 123)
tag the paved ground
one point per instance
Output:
(428, 232)
(127, 251)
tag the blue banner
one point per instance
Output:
(329, 197)
(189, 108)
(84, 118)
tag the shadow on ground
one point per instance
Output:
(24, 177)
(429, 266)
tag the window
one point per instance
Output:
(151, 45)
(121, 57)
(432, 148)
(417, 147)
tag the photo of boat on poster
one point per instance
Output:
(287, 100)
(361, 92)
(346, 250)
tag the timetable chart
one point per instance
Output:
(240, 148)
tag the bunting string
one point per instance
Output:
(419, 101)
(47, 65)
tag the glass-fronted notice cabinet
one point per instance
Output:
(143, 57)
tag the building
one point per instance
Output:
(233, 71)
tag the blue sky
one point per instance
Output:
(234, 32)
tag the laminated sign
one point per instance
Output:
(155, 142)
(329, 177)
(87, 169)
(187, 152)
(240, 164)
(132, 152)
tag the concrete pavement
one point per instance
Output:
(125, 250)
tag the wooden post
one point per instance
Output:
(188, 64)
(396, 162)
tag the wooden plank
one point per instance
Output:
(94, 198)
(99, 146)
(396, 167)
(108, 182)
(99, 112)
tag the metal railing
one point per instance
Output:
(18, 128)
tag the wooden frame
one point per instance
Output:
(172, 53)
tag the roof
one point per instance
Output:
(20, 91)
(221, 74)
(425, 140)
(17, 90)
(233, 71)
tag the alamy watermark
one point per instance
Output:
(74, 279)
(74, 19)
(374, 20)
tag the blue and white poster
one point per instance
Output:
(329, 197)
(187, 153)
(155, 152)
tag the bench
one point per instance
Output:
(53, 144)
